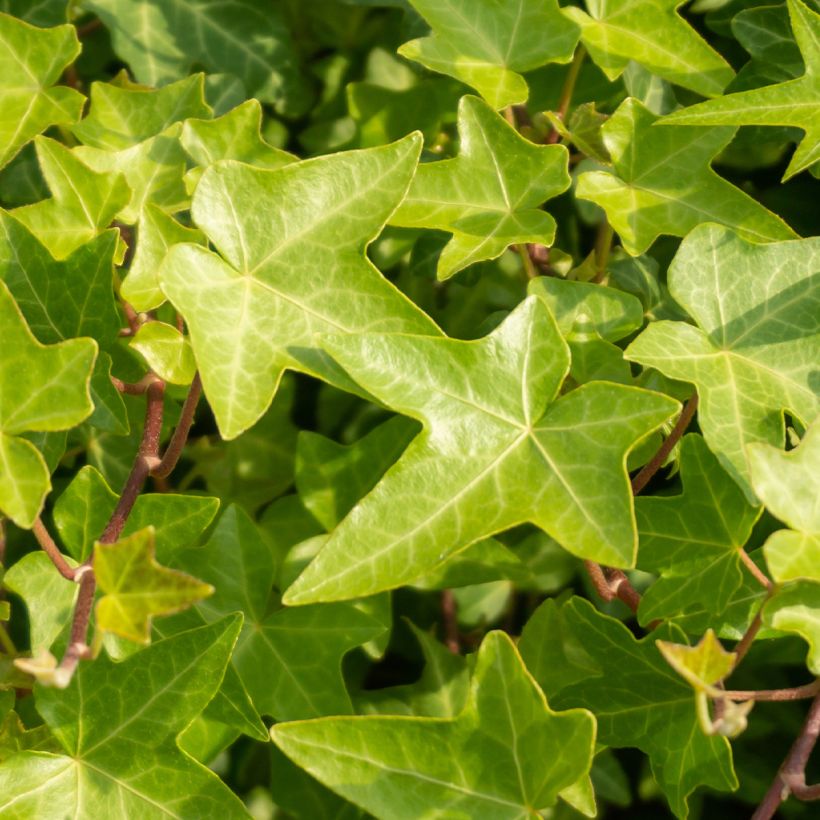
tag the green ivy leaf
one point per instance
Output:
(653, 34)
(662, 182)
(42, 388)
(161, 39)
(582, 658)
(789, 485)
(83, 510)
(693, 540)
(134, 131)
(795, 608)
(407, 767)
(136, 587)
(487, 44)
(752, 353)
(156, 232)
(167, 352)
(498, 448)
(289, 660)
(116, 724)
(702, 665)
(253, 312)
(83, 202)
(489, 196)
(794, 102)
(31, 63)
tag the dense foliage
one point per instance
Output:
(408, 408)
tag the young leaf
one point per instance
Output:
(167, 352)
(83, 202)
(702, 665)
(255, 312)
(237, 37)
(31, 62)
(652, 33)
(498, 448)
(42, 388)
(134, 131)
(757, 340)
(662, 182)
(794, 102)
(693, 540)
(487, 44)
(117, 724)
(489, 196)
(789, 485)
(408, 767)
(582, 658)
(136, 587)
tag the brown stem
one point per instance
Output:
(791, 777)
(566, 91)
(449, 609)
(809, 690)
(146, 459)
(754, 569)
(750, 634)
(611, 584)
(656, 462)
(51, 549)
(183, 428)
(134, 388)
(88, 28)
(77, 646)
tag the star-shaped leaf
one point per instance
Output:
(582, 658)
(788, 483)
(489, 196)
(498, 448)
(289, 660)
(161, 39)
(136, 587)
(652, 33)
(42, 388)
(134, 131)
(487, 44)
(116, 724)
(794, 102)
(662, 182)
(702, 665)
(408, 767)
(31, 62)
(693, 540)
(83, 202)
(757, 341)
(293, 264)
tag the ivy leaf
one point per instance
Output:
(235, 135)
(430, 765)
(653, 34)
(43, 388)
(755, 346)
(693, 540)
(161, 39)
(795, 608)
(487, 44)
(83, 202)
(117, 724)
(702, 665)
(794, 102)
(789, 485)
(498, 448)
(582, 658)
(662, 182)
(156, 232)
(167, 352)
(489, 196)
(134, 131)
(83, 510)
(31, 63)
(253, 312)
(289, 660)
(137, 588)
